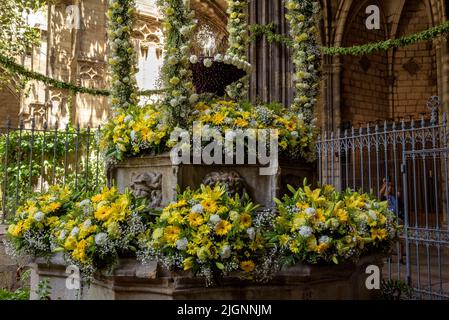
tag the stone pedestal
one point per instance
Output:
(133, 281)
(156, 178)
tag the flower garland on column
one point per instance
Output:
(238, 46)
(176, 73)
(122, 59)
(302, 16)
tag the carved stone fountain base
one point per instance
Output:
(156, 178)
(132, 281)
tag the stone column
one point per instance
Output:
(272, 66)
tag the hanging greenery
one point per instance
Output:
(267, 30)
(17, 69)
(122, 60)
(176, 72)
(238, 46)
(302, 15)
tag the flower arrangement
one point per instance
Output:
(302, 15)
(238, 46)
(296, 137)
(208, 232)
(99, 229)
(29, 232)
(135, 131)
(324, 225)
(122, 62)
(176, 74)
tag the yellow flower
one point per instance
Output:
(380, 234)
(247, 266)
(294, 246)
(158, 233)
(218, 118)
(188, 263)
(321, 248)
(283, 144)
(70, 243)
(283, 239)
(240, 122)
(103, 213)
(175, 217)
(195, 219)
(299, 220)
(223, 227)
(171, 234)
(80, 251)
(209, 205)
(245, 221)
(342, 215)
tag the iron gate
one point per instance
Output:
(426, 214)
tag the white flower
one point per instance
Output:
(310, 211)
(197, 208)
(207, 63)
(295, 134)
(251, 233)
(101, 238)
(305, 231)
(215, 218)
(172, 60)
(85, 203)
(74, 231)
(372, 214)
(62, 235)
(182, 244)
(128, 118)
(225, 252)
(193, 98)
(87, 224)
(174, 102)
(193, 59)
(184, 30)
(39, 216)
(324, 239)
(133, 135)
(218, 57)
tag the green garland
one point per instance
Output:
(302, 16)
(16, 68)
(238, 45)
(267, 30)
(122, 62)
(176, 73)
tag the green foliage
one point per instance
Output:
(43, 290)
(122, 61)
(395, 290)
(268, 31)
(28, 156)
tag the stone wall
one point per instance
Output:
(8, 267)
(10, 105)
(414, 66)
(364, 79)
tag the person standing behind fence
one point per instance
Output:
(395, 204)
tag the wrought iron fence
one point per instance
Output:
(406, 158)
(33, 158)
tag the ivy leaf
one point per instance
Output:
(220, 265)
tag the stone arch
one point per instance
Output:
(364, 80)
